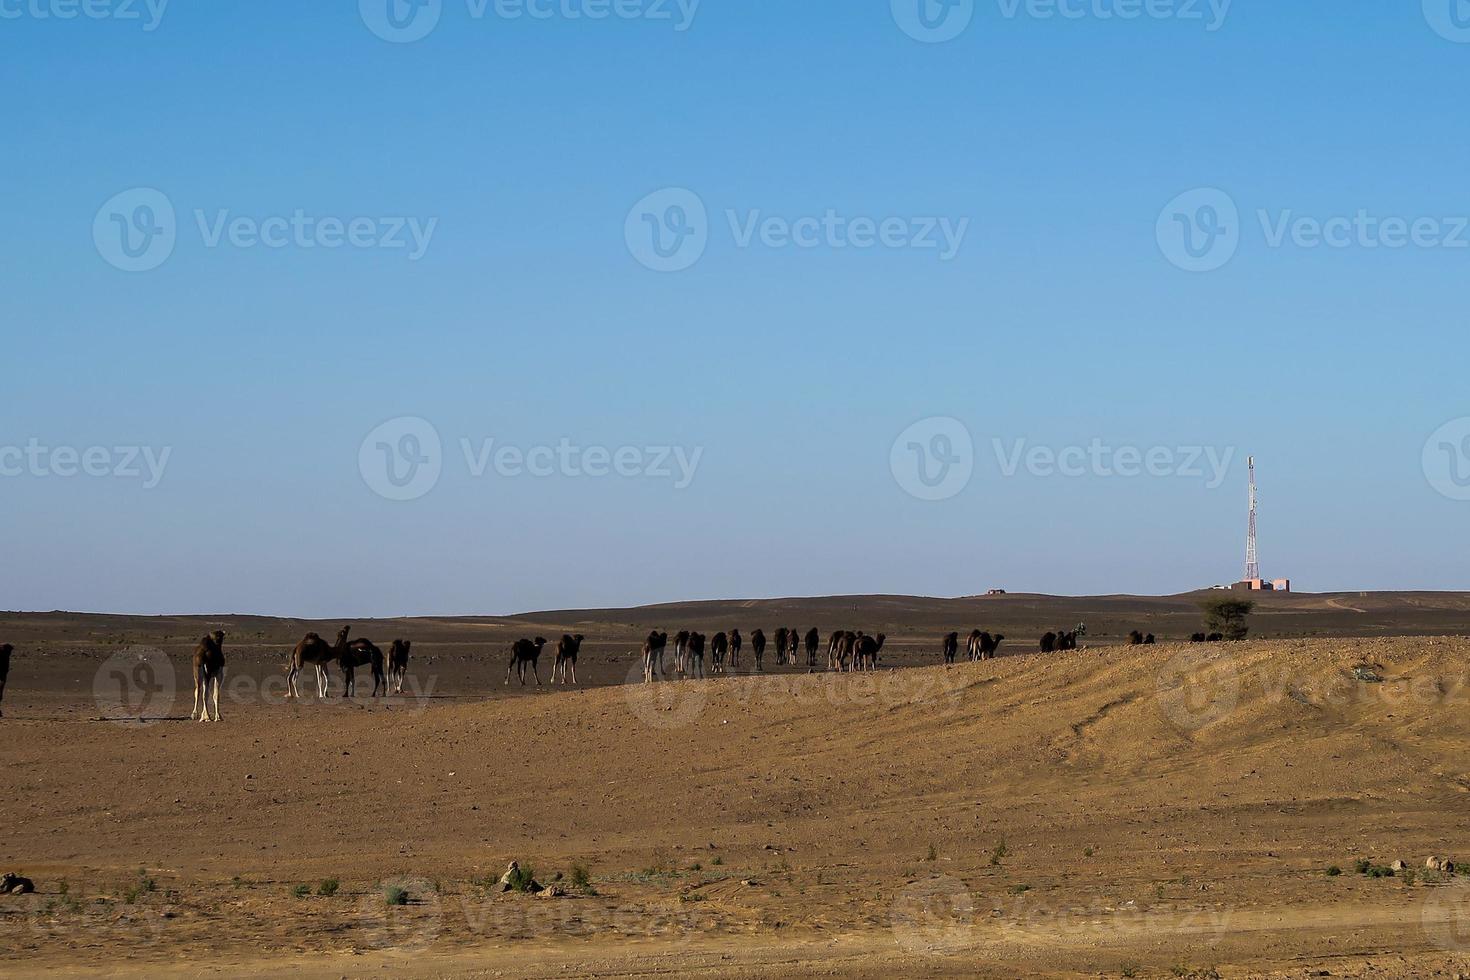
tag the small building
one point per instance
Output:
(1281, 584)
(1252, 585)
(996, 592)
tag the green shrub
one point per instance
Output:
(1334, 871)
(395, 895)
(328, 887)
(300, 891)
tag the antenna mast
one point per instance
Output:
(1252, 567)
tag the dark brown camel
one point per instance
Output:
(1048, 642)
(566, 656)
(735, 644)
(972, 645)
(524, 652)
(834, 643)
(813, 644)
(209, 675)
(653, 654)
(951, 647)
(14, 884)
(781, 633)
(361, 653)
(314, 650)
(758, 649)
(719, 646)
(1135, 639)
(990, 645)
(695, 655)
(681, 651)
(847, 648)
(793, 644)
(5, 651)
(865, 652)
(398, 664)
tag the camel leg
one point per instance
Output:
(291, 682)
(194, 714)
(219, 681)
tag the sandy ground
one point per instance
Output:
(1151, 812)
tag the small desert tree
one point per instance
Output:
(1227, 617)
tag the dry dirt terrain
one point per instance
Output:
(1112, 811)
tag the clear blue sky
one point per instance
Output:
(529, 320)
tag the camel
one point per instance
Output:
(524, 652)
(1135, 639)
(566, 656)
(1196, 638)
(758, 648)
(781, 633)
(1148, 640)
(989, 645)
(5, 650)
(653, 654)
(361, 653)
(314, 650)
(793, 644)
(846, 648)
(695, 655)
(834, 643)
(1067, 640)
(209, 675)
(1048, 642)
(681, 651)
(865, 652)
(718, 647)
(735, 650)
(813, 643)
(972, 645)
(951, 647)
(398, 664)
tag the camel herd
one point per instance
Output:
(846, 651)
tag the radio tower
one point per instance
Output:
(1252, 567)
